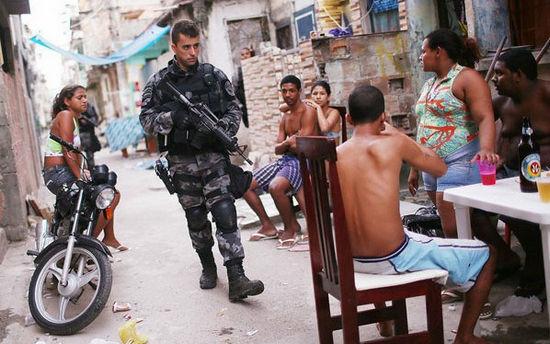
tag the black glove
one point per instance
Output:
(227, 126)
(223, 124)
(181, 119)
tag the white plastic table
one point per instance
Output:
(503, 198)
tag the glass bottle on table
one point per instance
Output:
(529, 158)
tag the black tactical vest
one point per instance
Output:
(203, 87)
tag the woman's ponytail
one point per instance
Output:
(465, 51)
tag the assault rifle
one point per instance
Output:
(208, 120)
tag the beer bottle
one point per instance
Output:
(529, 158)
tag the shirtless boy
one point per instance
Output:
(369, 165)
(521, 94)
(283, 176)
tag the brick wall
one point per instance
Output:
(377, 59)
(261, 75)
(403, 22)
(356, 14)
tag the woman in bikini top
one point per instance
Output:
(327, 117)
(62, 167)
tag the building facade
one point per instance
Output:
(20, 163)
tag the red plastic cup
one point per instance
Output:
(487, 171)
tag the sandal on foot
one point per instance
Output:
(261, 236)
(304, 240)
(118, 248)
(299, 247)
(486, 311)
(121, 248)
(286, 244)
(387, 330)
(450, 296)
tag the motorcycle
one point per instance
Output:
(73, 277)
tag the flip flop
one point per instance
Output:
(385, 331)
(299, 247)
(304, 240)
(119, 248)
(486, 311)
(450, 296)
(261, 236)
(286, 244)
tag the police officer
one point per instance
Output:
(197, 161)
(90, 143)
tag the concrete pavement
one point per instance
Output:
(159, 277)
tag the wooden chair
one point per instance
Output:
(332, 265)
(342, 111)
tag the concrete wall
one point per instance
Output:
(217, 40)
(281, 10)
(421, 19)
(261, 75)
(377, 59)
(19, 152)
(488, 22)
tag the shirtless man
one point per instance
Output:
(283, 176)
(520, 94)
(369, 165)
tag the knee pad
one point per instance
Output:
(225, 215)
(196, 218)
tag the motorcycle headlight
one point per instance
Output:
(104, 196)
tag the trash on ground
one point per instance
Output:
(222, 312)
(127, 316)
(454, 331)
(29, 320)
(145, 165)
(128, 333)
(518, 306)
(452, 307)
(121, 306)
(252, 332)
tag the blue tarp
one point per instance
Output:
(124, 132)
(142, 42)
(384, 5)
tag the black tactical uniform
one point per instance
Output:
(89, 141)
(198, 165)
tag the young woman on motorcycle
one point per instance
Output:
(61, 167)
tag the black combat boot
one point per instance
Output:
(209, 274)
(239, 285)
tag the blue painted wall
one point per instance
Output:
(491, 23)
(422, 19)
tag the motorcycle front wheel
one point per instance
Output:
(65, 310)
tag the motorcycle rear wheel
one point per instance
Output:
(66, 310)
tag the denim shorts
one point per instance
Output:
(58, 178)
(460, 171)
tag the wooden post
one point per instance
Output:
(542, 51)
